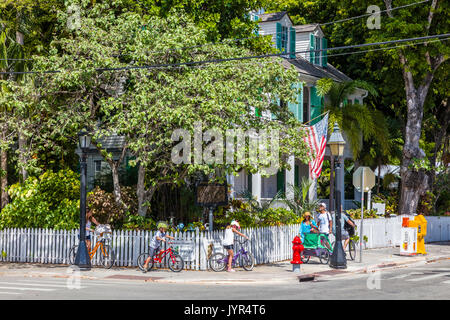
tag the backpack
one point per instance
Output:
(348, 227)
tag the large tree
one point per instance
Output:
(104, 82)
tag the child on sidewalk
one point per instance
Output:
(155, 243)
(228, 242)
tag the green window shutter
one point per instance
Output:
(279, 36)
(345, 102)
(249, 182)
(300, 102)
(296, 176)
(356, 101)
(324, 53)
(256, 19)
(316, 105)
(311, 48)
(281, 180)
(292, 43)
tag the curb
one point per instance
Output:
(369, 269)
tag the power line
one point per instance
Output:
(256, 36)
(193, 63)
(370, 14)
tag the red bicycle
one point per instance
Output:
(174, 260)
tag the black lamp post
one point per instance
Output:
(82, 259)
(337, 145)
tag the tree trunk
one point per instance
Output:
(4, 179)
(414, 183)
(22, 157)
(142, 209)
(116, 184)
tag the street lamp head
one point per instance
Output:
(336, 142)
(84, 139)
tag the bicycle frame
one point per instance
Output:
(158, 258)
(240, 252)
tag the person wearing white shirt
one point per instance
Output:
(228, 241)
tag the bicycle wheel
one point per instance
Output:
(107, 256)
(352, 250)
(141, 261)
(217, 262)
(73, 254)
(175, 262)
(247, 261)
(305, 259)
(324, 257)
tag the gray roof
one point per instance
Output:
(306, 27)
(306, 67)
(275, 16)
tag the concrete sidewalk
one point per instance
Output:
(373, 259)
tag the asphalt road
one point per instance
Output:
(423, 282)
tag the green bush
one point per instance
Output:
(106, 211)
(136, 222)
(356, 214)
(252, 219)
(49, 201)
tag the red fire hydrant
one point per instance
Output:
(298, 249)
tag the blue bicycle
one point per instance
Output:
(219, 261)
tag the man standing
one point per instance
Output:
(324, 219)
(325, 222)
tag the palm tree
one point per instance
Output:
(356, 120)
(359, 122)
(301, 203)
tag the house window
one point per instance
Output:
(98, 166)
(305, 104)
(284, 38)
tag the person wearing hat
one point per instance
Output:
(155, 243)
(324, 219)
(308, 225)
(228, 241)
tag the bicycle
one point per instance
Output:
(108, 256)
(351, 249)
(174, 261)
(218, 261)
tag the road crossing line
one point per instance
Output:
(429, 277)
(26, 289)
(36, 284)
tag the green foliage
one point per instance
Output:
(300, 202)
(356, 214)
(107, 211)
(391, 202)
(49, 201)
(252, 219)
(137, 222)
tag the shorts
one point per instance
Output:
(87, 237)
(230, 247)
(153, 251)
(344, 235)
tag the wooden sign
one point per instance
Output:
(211, 194)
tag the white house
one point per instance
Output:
(299, 43)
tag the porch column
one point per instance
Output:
(290, 179)
(256, 186)
(230, 181)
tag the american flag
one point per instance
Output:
(316, 139)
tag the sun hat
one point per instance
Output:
(235, 223)
(307, 214)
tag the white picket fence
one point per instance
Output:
(268, 244)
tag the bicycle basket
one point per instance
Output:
(103, 231)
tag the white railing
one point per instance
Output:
(268, 244)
